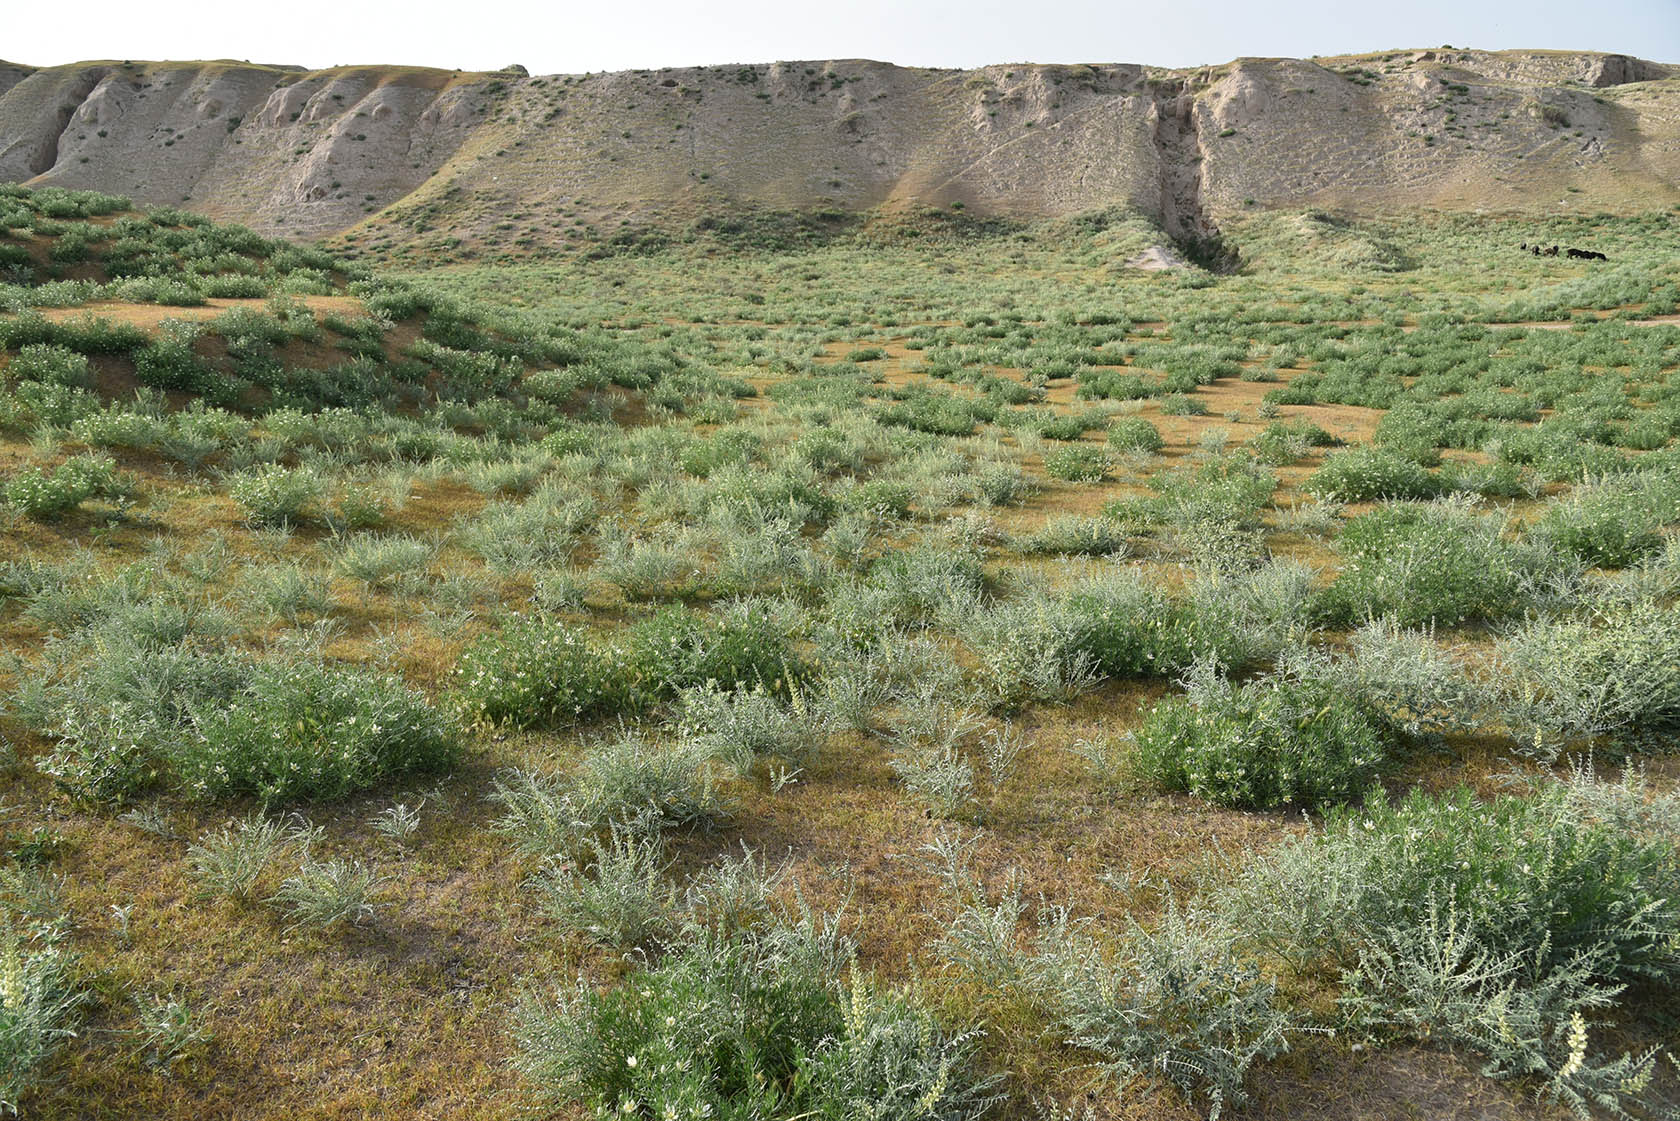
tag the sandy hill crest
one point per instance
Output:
(413, 156)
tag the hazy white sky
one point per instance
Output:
(603, 35)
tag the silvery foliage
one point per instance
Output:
(629, 783)
(615, 893)
(740, 726)
(1611, 671)
(1173, 1001)
(1030, 650)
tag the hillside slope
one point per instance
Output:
(427, 156)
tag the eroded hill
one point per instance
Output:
(430, 158)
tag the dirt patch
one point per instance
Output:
(150, 317)
(1406, 1082)
(1565, 324)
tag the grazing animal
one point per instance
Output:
(1525, 247)
(1552, 252)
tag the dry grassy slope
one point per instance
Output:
(424, 153)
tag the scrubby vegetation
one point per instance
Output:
(939, 676)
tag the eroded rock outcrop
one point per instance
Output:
(422, 154)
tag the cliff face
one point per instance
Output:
(284, 151)
(425, 154)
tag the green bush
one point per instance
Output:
(1128, 627)
(677, 649)
(1611, 672)
(1493, 925)
(309, 731)
(539, 673)
(627, 784)
(921, 582)
(169, 362)
(128, 708)
(741, 1028)
(1270, 743)
(37, 1007)
(49, 495)
(46, 362)
(1231, 488)
(1175, 1002)
(1134, 434)
(1077, 463)
(1543, 877)
(1422, 563)
(1616, 522)
(1281, 443)
(1367, 474)
(882, 497)
(1076, 535)
(276, 495)
(938, 413)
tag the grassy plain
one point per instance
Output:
(1065, 641)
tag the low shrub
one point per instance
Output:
(49, 495)
(1493, 925)
(277, 496)
(618, 897)
(1612, 672)
(324, 893)
(539, 673)
(169, 362)
(919, 583)
(1076, 535)
(738, 726)
(1614, 523)
(229, 861)
(1275, 742)
(1280, 443)
(1173, 1002)
(37, 1008)
(746, 1026)
(627, 783)
(1134, 434)
(1231, 488)
(1077, 463)
(46, 362)
(1367, 474)
(1432, 563)
(678, 649)
(380, 561)
(1542, 877)
(1124, 625)
(309, 731)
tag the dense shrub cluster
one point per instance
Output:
(306, 731)
(743, 1027)
(49, 495)
(219, 725)
(539, 673)
(1433, 563)
(1275, 742)
(1368, 474)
